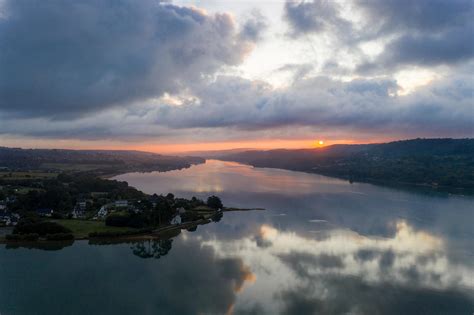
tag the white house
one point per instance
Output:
(176, 220)
(44, 212)
(121, 203)
(102, 212)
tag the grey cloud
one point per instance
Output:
(430, 16)
(330, 294)
(364, 105)
(313, 17)
(444, 108)
(365, 254)
(302, 262)
(61, 58)
(425, 33)
(254, 27)
(428, 50)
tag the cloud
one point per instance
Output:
(61, 58)
(254, 26)
(351, 295)
(242, 107)
(98, 70)
(423, 33)
(361, 104)
(313, 17)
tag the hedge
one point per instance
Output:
(22, 237)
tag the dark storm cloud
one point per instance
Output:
(59, 58)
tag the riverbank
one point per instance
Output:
(96, 229)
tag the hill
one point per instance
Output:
(433, 162)
(100, 162)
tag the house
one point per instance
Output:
(4, 215)
(121, 203)
(82, 205)
(176, 220)
(10, 199)
(44, 212)
(79, 210)
(181, 210)
(8, 218)
(103, 212)
(78, 213)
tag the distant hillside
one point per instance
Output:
(216, 154)
(97, 161)
(434, 162)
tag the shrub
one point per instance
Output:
(28, 226)
(214, 202)
(117, 219)
(59, 237)
(133, 220)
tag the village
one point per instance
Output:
(79, 207)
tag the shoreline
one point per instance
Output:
(154, 234)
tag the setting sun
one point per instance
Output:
(320, 142)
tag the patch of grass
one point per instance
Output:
(82, 228)
(25, 190)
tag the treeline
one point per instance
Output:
(62, 193)
(158, 211)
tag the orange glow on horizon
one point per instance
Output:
(180, 148)
(260, 145)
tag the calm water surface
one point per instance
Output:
(323, 246)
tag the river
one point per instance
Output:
(322, 246)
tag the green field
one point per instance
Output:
(82, 228)
(26, 175)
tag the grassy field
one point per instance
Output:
(71, 166)
(26, 175)
(82, 228)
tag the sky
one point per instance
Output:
(175, 76)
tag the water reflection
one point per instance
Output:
(323, 246)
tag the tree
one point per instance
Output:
(214, 202)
